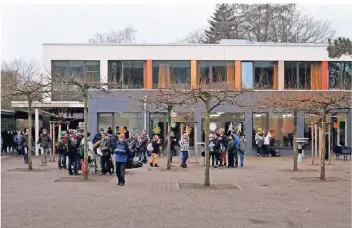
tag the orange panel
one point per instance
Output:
(161, 80)
(276, 76)
(238, 73)
(230, 75)
(194, 76)
(168, 77)
(324, 75)
(149, 74)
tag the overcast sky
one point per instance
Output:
(25, 27)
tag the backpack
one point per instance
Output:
(19, 139)
(150, 147)
(61, 146)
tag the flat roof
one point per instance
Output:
(156, 44)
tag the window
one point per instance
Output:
(280, 126)
(85, 71)
(131, 120)
(234, 121)
(215, 71)
(259, 75)
(167, 73)
(340, 75)
(297, 75)
(104, 121)
(126, 74)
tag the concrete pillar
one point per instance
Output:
(103, 71)
(281, 76)
(300, 125)
(248, 130)
(93, 117)
(349, 128)
(36, 130)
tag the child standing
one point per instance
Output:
(242, 149)
(184, 144)
(156, 150)
(121, 154)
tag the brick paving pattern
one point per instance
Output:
(267, 197)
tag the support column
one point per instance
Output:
(300, 125)
(54, 141)
(195, 134)
(103, 71)
(51, 149)
(349, 128)
(248, 130)
(36, 129)
(194, 77)
(324, 75)
(281, 76)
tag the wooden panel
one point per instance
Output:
(230, 75)
(194, 76)
(324, 75)
(149, 74)
(161, 79)
(238, 78)
(168, 77)
(276, 77)
(315, 76)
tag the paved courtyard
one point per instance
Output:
(267, 196)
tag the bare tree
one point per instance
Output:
(166, 100)
(211, 94)
(339, 47)
(266, 23)
(25, 84)
(195, 37)
(84, 89)
(123, 36)
(318, 103)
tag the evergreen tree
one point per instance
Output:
(339, 47)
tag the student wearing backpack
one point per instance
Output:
(242, 149)
(45, 144)
(143, 144)
(18, 139)
(25, 146)
(121, 156)
(62, 149)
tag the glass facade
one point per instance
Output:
(85, 71)
(126, 74)
(280, 126)
(340, 75)
(227, 121)
(259, 75)
(131, 120)
(215, 71)
(303, 75)
(168, 73)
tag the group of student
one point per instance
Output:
(232, 145)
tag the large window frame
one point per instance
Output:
(126, 74)
(259, 75)
(340, 78)
(168, 73)
(215, 71)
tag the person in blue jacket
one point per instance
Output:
(121, 156)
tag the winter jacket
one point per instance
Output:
(45, 141)
(121, 151)
(243, 144)
(62, 145)
(267, 139)
(97, 138)
(173, 142)
(143, 143)
(237, 142)
(156, 147)
(25, 140)
(184, 145)
(231, 146)
(223, 143)
(259, 139)
(112, 143)
(18, 139)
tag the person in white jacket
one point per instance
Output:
(267, 144)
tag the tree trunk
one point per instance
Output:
(206, 146)
(295, 167)
(29, 151)
(312, 142)
(322, 145)
(85, 138)
(168, 138)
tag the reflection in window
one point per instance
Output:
(247, 75)
(215, 71)
(279, 125)
(126, 74)
(225, 120)
(167, 73)
(104, 121)
(85, 71)
(131, 120)
(264, 74)
(340, 75)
